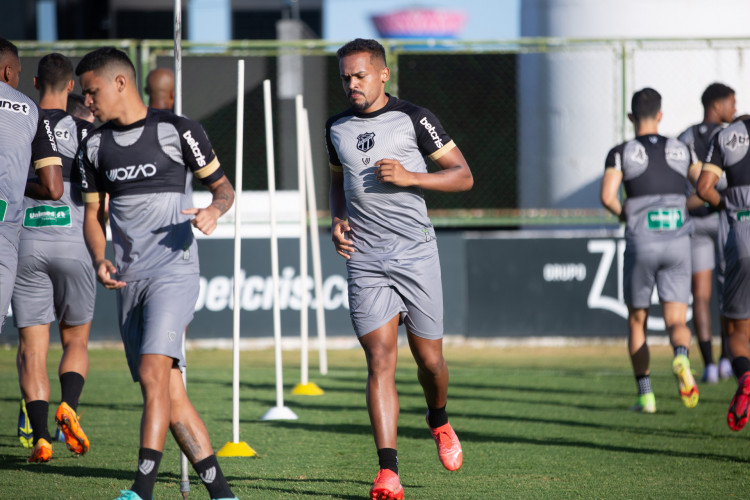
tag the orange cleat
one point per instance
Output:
(67, 421)
(42, 452)
(448, 446)
(737, 416)
(387, 486)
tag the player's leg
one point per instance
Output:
(191, 434)
(679, 337)
(74, 366)
(31, 361)
(153, 377)
(739, 338)
(701, 287)
(640, 359)
(432, 372)
(381, 353)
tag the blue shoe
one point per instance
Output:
(25, 432)
(128, 495)
(59, 436)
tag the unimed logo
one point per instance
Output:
(256, 292)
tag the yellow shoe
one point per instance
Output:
(67, 421)
(42, 452)
(25, 432)
(685, 381)
(646, 403)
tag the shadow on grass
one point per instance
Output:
(14, 463)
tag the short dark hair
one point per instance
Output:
(77, 106)
(54, 72)
(376, 50)
(102, 58)
(715, 92)
(7, 48)
(646, 103)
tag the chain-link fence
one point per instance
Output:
(534, 118)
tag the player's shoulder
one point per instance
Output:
(167, 116)
(736, 131)
(348, 113)
(672, 143)
(688, 135)
(407, 107)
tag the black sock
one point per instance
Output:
(436, 417)
(740, 365)
(681, 350)
(213, 479)
(706, 352)
(38, 414)
(148, 469)
(388, 459)
(644, 384)
(71, 385)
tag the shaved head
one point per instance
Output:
(160, 88)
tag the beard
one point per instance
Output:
(359, 105)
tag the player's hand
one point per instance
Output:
(392, 171)
(344, 246)
(205, 218)
(104, 271)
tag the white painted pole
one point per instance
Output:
(301, 183)
(312, 208)
(236, 301)
(237, 448)
(184, 471)
(280, 411)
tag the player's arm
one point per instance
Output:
(205, 219)
(339, 223)
(95, 236)
(710, 175)
(47, 164)
(454, 175)
(610, 192)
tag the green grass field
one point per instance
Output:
(534, 423)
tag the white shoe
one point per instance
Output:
(725, 369)
(710, 374)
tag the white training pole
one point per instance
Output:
(184, 471)
(278, 412)
(315, 244)
(236, 448)
(236, 301)
(301, 173)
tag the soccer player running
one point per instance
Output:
(380, 225)
(657, 234)
(718, 108)
(728, 154)
(55, 277)
(139, 156)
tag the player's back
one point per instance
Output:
(60, 220)
(732, 146)
(654, 169)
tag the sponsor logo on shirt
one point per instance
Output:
(62, 135)
(195, 148)
(366, 141)
(50, 135)
(131, 172)
(737, 141)
(15, 107)
(430, 128)
(639, 154)
(676, 153)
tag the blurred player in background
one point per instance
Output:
(139, 156)
(380, 225)
(26, 138)
(718, 108)
(76, 106)
(55, 278)
(728, 155)
(160, 88)
(657, 233)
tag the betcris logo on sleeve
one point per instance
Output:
(195, 148)
(430, 128)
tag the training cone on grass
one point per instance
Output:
(308, 389)
(241, 449)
